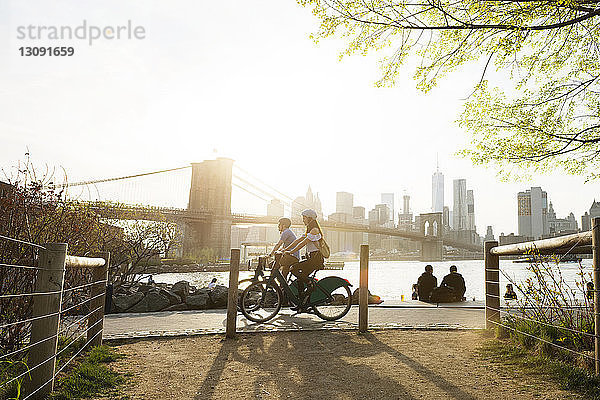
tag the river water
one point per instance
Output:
(393, 279)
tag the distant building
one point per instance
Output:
(532, 206)
(308, 201)
(358, 212)
(275, 208)
(489, 235)
(460, 205)
(380, 215)
(405, 219)
(344, 202)
(586, 219)
(470, 211)
(388, 199)
(560, 225)
(437, 191)
(512, 239)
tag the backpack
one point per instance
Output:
(325, 250)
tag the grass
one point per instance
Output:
(532, 362)
(90, 377)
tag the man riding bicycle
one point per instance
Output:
(286, 239)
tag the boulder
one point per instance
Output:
(144, 288)
(200, 300)
(153, 301)
(173, 298)
(219, 296)
(181, 289)
(122, 303)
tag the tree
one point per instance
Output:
(550, 50)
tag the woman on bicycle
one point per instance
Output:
(314, 259)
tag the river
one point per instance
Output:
(393, 279)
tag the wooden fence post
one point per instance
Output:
(98, 290)
(596, 279)
(50, 278)
(234, 269)
(492, 286)
(363, 290)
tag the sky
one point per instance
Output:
(240, 79)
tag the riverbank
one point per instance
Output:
(325, 365)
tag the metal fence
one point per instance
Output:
(57, 311)
(581, 243)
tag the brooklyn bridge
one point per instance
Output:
(208, 219)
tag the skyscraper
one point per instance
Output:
(344, 202)
(437, 192)
(532, 212)
(388, 199)
(470, 211)
(459, 211)
(275, 208)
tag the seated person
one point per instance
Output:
(314, 259)
(456, 283)
(426, 283)
(286, 239)
(590, 290)
(510, 293)
(415, 291)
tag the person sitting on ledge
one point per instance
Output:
(456, 283)
(426, 283)
(510, 293)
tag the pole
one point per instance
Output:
(50, 278)
(492, 286)
(96, 319)
(596, 278)
(363, 290)
(234, 269)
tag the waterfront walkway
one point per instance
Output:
(389, 315)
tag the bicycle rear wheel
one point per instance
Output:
(336, 305)
(261, 301)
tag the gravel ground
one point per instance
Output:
(390, 364)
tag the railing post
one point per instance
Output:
(234, 269)
(596, 278)
(363, 290)
(98, 290)
(50, 278)
(492, 286)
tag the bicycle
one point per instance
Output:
(329, 298)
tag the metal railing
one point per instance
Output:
(49, 321)
(580, 243)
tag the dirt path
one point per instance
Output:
(325, 365)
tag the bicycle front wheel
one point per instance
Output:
(261, 301)
(336, 304)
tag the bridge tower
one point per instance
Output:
(210, 192)
(432, 248)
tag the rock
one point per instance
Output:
(176, 307)
(122, 303)
(181, 289)
(144, 288)
(153, 301)
(219, 296)
(173, 298)
(200, 300)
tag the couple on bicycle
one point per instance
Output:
(289, 259)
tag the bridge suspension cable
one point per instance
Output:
(83, 183)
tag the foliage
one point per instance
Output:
(548, 49)
(90, 377)
(552, 313)
(567, 375)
